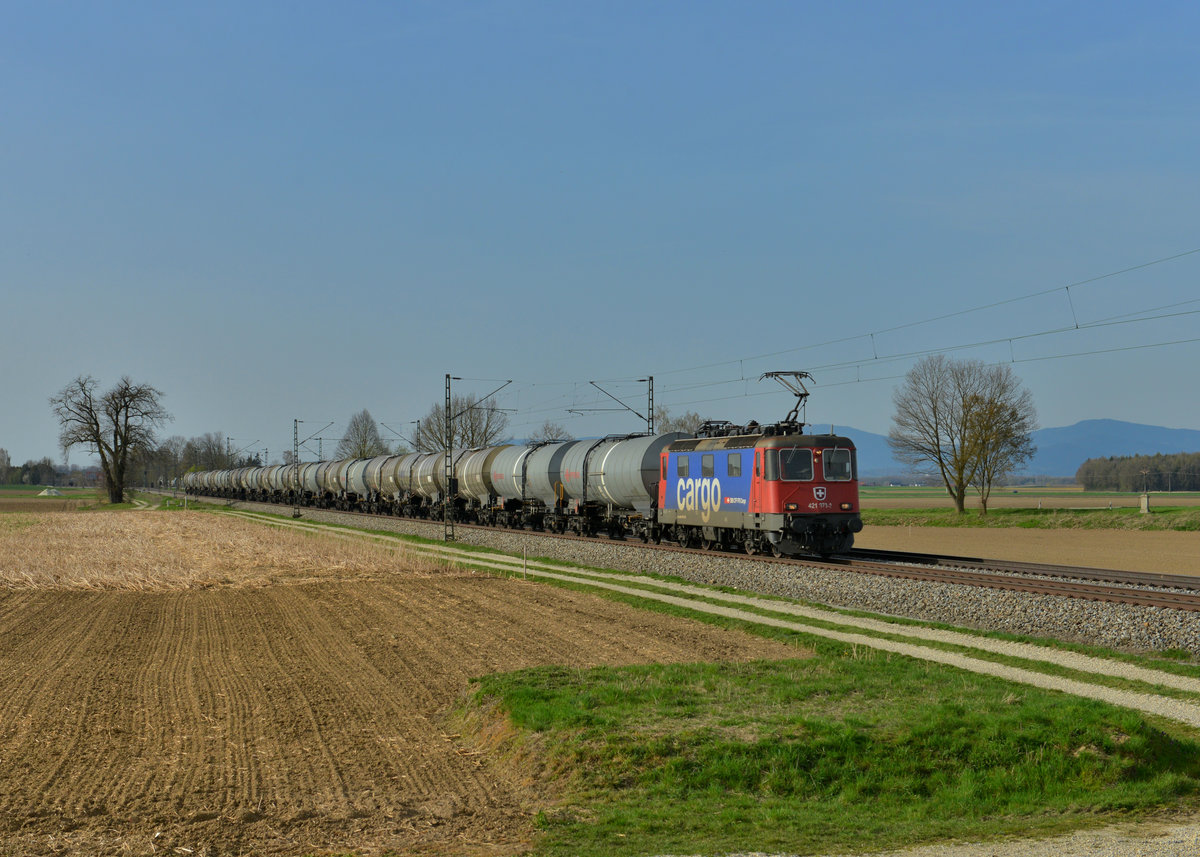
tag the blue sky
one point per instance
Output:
(298, 210)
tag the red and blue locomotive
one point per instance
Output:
(762, 489)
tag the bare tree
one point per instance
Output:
(1003, 420)
(160, 464)
(549, 432)
(970, 421)
(474, 424)
(169, 458)
(361, 439)
(209, 451)
(689, 423)
(111, 425)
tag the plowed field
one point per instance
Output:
(292, 712)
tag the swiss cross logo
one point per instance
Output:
(819, 492)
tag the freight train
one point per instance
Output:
(758, 488)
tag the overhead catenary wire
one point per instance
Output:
(943, 317)
(565, 398)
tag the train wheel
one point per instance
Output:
(751, 547)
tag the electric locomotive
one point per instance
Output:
(762, 489)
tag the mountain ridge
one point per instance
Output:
(1060, 450)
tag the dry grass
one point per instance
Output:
(12, 523)
(39, 504)
(151, 551)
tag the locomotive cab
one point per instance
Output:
(805, 492)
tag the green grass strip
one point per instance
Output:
(845, 750)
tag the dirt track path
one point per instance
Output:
(286, 719)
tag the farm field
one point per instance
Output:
(23, 498)
(193, 683)
(1166, 552)
(1049, 497)
(1051, 525)
(172, 682)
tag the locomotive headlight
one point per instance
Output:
(790, 507)
(847, 507)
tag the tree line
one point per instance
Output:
(1177, 472)
(119, 425)
(43, 472)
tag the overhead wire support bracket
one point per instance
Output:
(404, 437)
(479, 401)
(317, 432)
(649, 418)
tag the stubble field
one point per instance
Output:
(173, 683)
(1162, 552)
(1101, 529)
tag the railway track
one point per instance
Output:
(1170, 591)
(1106, 575)
(1115, 587)
(1165, 591)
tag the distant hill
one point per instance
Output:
(1060, 450)
(874, 454)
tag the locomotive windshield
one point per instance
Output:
(791, 465)
(839, 465)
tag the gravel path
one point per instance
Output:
(1149, 839)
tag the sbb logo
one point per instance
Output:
(698, 495)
